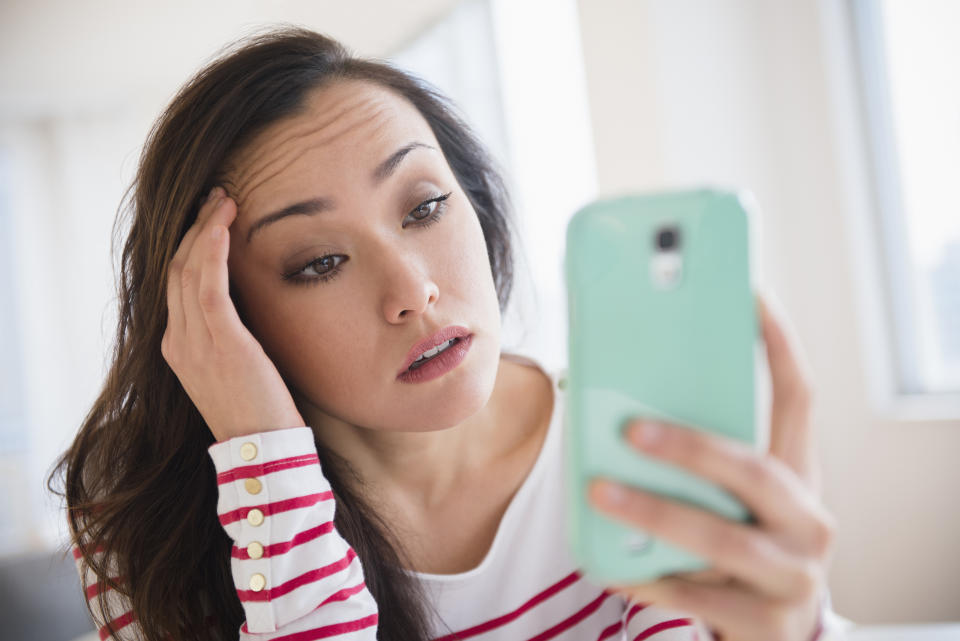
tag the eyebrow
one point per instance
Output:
(319, 205)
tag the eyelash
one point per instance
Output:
(297, 278)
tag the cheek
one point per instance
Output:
(305, 338)
(475, 280)
(298, 328)
(318, 351)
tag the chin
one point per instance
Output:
(467, 392)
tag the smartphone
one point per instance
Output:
(662, 324)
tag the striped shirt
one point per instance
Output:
(299, 580)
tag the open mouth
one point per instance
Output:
(434, 352)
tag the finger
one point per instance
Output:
(778, 499)
(724, 608)
(176, 319)
(214, 292)
(192, 275)
(203, 215)
(790, 431)
(747, 553)
(711, 576)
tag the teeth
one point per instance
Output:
(433, 351)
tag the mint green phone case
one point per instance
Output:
(654, 335)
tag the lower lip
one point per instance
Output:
(440, 364)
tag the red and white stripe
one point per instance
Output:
(314, 580)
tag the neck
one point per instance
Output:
(419, 469)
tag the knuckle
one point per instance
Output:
(209, 299)
(758, 474)
(825, 533)
(656, 512)
(802, 395)
(187, 276)
(808, 581)
(167, 347)
(176, 265)
(695, 450)
(735, 543)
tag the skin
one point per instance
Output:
(326, 354)
(398, 286)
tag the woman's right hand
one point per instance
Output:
(222, 367)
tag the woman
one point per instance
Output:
(317, 262)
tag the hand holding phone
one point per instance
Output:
(662, 325)
(705, 493)
(768, 577)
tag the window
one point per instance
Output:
(907, 52)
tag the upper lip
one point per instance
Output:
(445, 334)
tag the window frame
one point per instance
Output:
(890, 320)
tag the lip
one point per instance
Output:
(446, 361)
(445, 334)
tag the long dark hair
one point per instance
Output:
(143, 443)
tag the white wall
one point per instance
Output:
(747, 93)
(60, 55)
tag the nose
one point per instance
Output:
(408, 291)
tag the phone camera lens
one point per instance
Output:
(668, 238)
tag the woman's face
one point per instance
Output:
(397, 269)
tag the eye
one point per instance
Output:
(429, 211)
(326, 268)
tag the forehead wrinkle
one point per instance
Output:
(273, 145)
(376, 110)
(265, 148)
(296, 154)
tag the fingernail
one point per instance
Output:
(646, 433)
(217, 232)
(613, 494)
(212, 194)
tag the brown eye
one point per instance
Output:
(323, 269)
(429, 211)
(426, 209)
(325, 264)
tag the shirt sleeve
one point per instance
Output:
(643, 620)
(117, 611)
(296, 577)
(292, 569)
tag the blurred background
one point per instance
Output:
(842, 117)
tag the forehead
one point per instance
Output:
(347, 127)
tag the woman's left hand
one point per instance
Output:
(768, 577)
